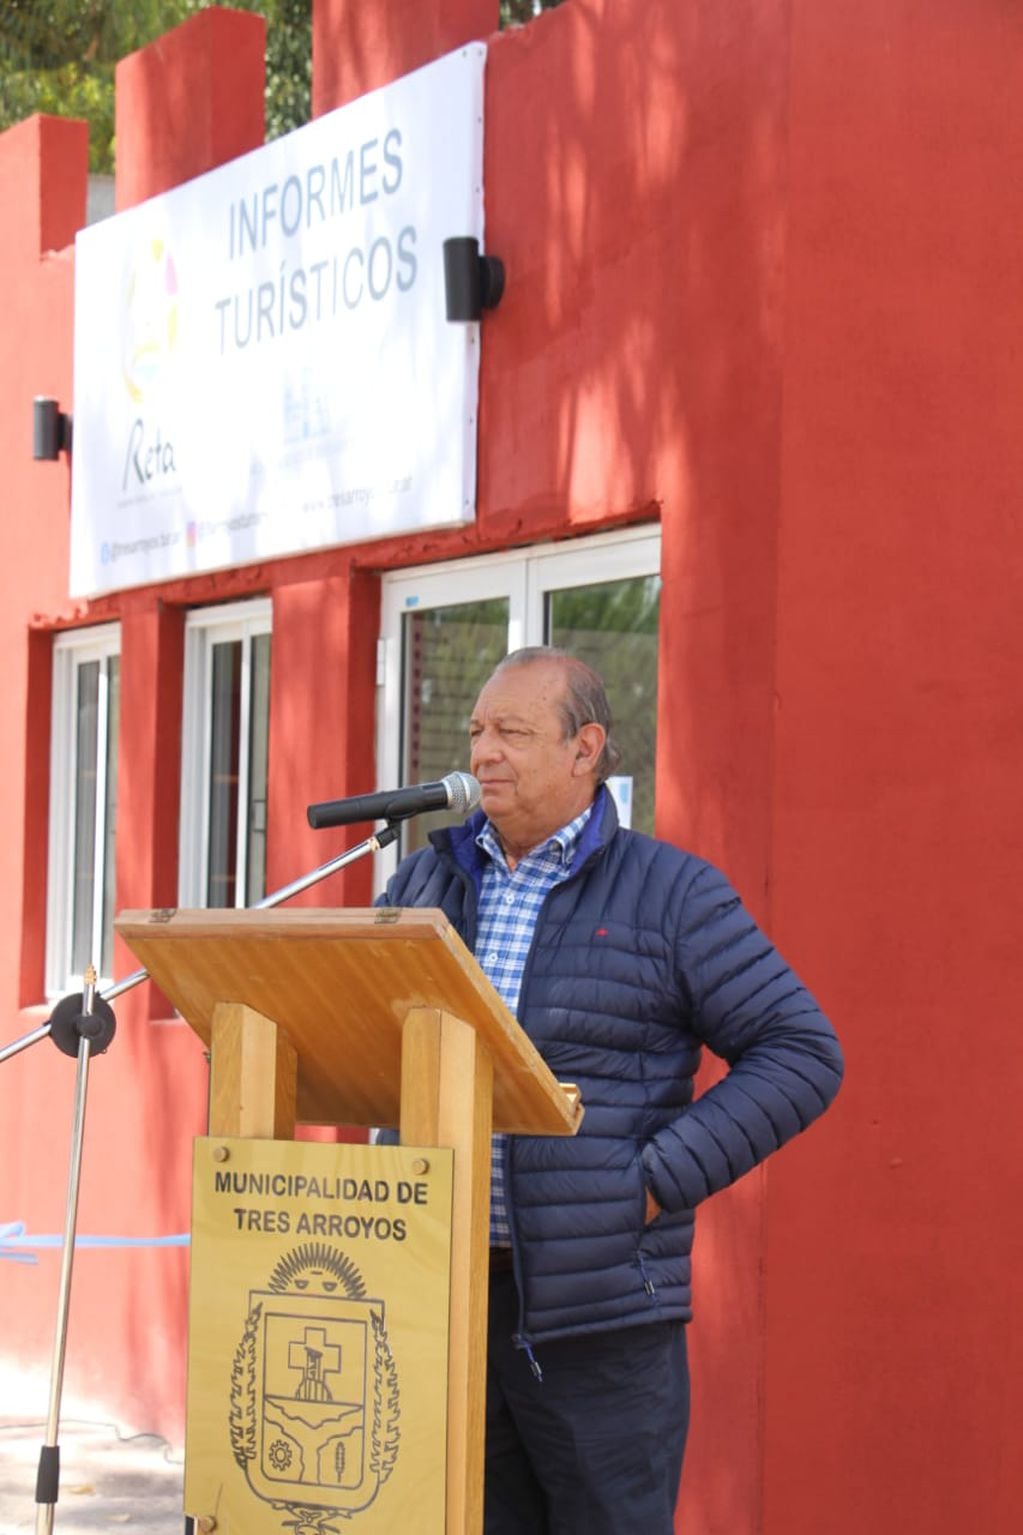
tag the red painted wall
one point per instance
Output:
(147, 1095)
(899, 741)
(357, 48)
(190, 101)
(762, 285)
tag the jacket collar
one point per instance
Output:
(460, 841)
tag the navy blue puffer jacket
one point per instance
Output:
(643, 955)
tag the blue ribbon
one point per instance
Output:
(16, 1245)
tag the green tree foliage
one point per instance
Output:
(289, 63)
(59, 56)
(515, 13)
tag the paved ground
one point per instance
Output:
(106, 1483)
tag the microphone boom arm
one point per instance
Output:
(83, 1025)
(374, 844)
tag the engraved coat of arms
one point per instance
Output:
(314, 1392)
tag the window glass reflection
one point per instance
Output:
(259, 738)
(448, 654)
(225, 747)
(613, 628)
(85, 816)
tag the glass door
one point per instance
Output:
(445, 627)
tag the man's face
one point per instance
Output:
(533, 781)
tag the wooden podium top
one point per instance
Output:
(341, 983)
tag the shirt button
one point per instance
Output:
(491, 959)
(509, 900)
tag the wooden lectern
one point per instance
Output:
(367, 1017)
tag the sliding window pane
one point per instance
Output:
(110, 819)
(83, 806)
(448, 654)
(613, 628)
(225, 744)
(259, 738)
(85, 816)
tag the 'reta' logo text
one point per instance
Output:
(147, 458)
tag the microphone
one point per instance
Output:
(458, 792)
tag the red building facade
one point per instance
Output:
(763, 290)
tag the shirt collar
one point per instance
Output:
(561, 844)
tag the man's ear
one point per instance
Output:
(588, 747)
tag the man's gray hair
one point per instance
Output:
(585, 701)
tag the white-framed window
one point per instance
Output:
(445, 627)
(224, 743)
(83, 806)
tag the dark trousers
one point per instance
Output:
(596, 1446)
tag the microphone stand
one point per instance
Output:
(83, 1025)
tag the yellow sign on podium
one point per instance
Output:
(375, 1017)
(318, 1338)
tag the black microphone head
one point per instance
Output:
(463, 792)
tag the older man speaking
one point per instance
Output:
(621, 956)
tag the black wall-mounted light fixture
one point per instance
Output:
(51, 429)
(472, 282)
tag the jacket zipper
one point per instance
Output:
(534, 1364)
(520, 1338)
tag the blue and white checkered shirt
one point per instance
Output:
(510, 902)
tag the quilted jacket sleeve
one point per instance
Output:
(749, 1008)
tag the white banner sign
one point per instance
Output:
(262, 359)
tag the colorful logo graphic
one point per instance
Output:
(314, 1392)
(151, 318)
